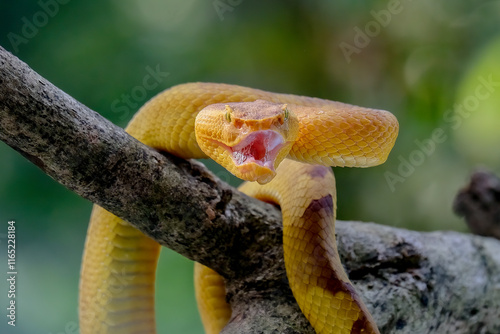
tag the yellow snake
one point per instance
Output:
(250, 132)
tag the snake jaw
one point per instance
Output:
(257, 154)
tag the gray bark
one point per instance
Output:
(440, 282)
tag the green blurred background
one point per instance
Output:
(426, 61)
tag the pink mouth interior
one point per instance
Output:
(260, 147)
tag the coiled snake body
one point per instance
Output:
(249, 132)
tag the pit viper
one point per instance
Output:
(286, 144)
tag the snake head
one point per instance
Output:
(249, 139)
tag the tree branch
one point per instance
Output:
(412, 282)
(178, 203)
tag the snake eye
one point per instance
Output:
(286, 113)
(227, 115)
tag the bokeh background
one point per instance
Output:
(434, 64)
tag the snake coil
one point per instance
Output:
(285, 143)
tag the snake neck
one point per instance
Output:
(321, 287)
(316, 276)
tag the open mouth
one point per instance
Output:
(260, 147)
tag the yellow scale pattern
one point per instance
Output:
(210, 291)
(117, 278)
(119, 262)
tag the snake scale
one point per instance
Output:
(284, 142)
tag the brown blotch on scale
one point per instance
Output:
(360, 325)
(321, 258)
(325, 202)
(318, 171)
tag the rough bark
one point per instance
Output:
(412, 282)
